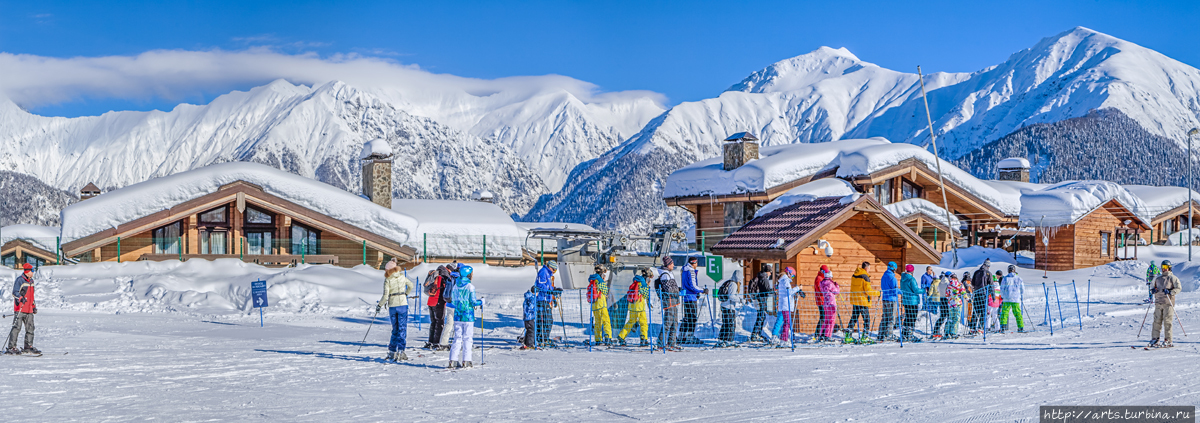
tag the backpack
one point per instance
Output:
(447, 290)
(635, 292)
(431, 286)
(723, 291)
(593, 292)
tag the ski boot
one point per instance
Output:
(467, 365)
(644, 343)
(391, 356)
(621, 341)
(428, 345)
(401, 356)
(29, 349)
(12, 351)
(452, 365)
(1166, 344)
(1154, 343)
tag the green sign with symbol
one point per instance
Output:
(715, 267)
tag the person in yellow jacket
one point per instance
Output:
(597, 292)
(861, 292)
(639, 314)
(397, 288)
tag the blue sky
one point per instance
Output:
(685, 50)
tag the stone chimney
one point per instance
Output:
(1013, 169)
(377, 172)
(483, 195)
(89, 191)
(740, 148)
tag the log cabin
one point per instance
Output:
(1079, 224)
(33, 244)
(857, 230)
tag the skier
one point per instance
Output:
(993, 307)
(1166, 286)
(730, 297)
(784, 292)
(888, 285)
(396, 290)
(598, 297)
(1152, 272)
(668, 292)
(954, 293)
(910, 299)
(760, 288)
(637, 296)
(529, 315)
(828, 294)
(927, 279)
(939, 303)
(1012, 290)
(545, 298)
(464, 303)
(691, 312)
(447, 296)
(437, 307)
(861, 292)
(979, 283)
(23, 311)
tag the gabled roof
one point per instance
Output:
(742, 136)
(799, 225)
(90, 187)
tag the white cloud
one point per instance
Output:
(34, 81)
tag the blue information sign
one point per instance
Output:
(258, 291)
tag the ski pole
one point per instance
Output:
(360, 344)
(481, 347)
(1144, 316)
(1180, 322)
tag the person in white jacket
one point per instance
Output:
(397, 289)
(1012, 290)
(786, 304)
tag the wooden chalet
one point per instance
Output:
(858, 231)
(240, 221)
(1171, 221)
(17, 252)
(1091, 240)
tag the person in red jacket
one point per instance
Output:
(24, 309)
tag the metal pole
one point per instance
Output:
(425, 246)
(364, 252)
(57, 250)
(702, 241)
(938, 161)
(1047, 293)
(1190, 165)
(1058, 301)
(260, 320)
(485, 249)
(542, 254)
(118, 249)
(1089, 298)
(1077, 313)
(179, 246)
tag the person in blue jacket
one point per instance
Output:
(910, 298)
(687, 329)
(529, 315)
(545, 299)
(927, 281)
(464, 301)
(888, 287)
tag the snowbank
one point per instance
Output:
(777, 165)
(973, 257)
(828, 187)
(142, 199)
(1065, 203)
(1181, 238)
(865, 161)
(447, 228)
(41, 236)
(912, 206)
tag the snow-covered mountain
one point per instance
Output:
(830, 94)
(318, 131)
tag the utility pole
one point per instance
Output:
(1190, 165)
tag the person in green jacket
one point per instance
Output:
(910, 300)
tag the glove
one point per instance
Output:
(802, 295)
(705, 291)
(480, 302)
(34, 309)
(1153, 290)
(377, 307)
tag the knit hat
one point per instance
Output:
(27, 266)
(667, 261)
(391, 264)
(908, 268)
(553, 265)
(789, 270)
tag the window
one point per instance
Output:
(34, 261)
(1168, 226)
(909, 190)
(254, 215)
(213, 216)
(883, 192)
(10, 260)
(213, 242)
(304, 240)
(166, 239)
(1104, 243)
(258, 243)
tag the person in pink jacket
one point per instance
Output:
(828, 295)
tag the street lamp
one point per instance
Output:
(1190, 165)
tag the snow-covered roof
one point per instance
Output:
(827, 187)
(43, 237)
(376, 148)
(142, 199)
(776, 165)
(456, 228)
(1160, 200)
(864, 161)
(1013, 163)
(741, 136)
(1067, 202)
(913, 206)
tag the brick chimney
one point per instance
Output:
(740, 148)
(377, 172)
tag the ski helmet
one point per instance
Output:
(464, 271)
(1166, 264)
(892, 265)
(1013, 269)
(789, 270)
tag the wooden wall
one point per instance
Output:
(710, 219)
(1059, 254)
(132, 247)
(1087, 238)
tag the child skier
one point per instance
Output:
(784, 298)
(993, 304)
(529, 312)
(955, 295)
(598, 297)
(828, 294)
(464, 319)
(639, 314)
(1151, 273)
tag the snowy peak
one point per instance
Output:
(800, 71)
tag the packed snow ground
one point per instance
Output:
(208, 364)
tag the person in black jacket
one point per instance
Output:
(760, 290)
(668, 291)
(437, 309)
(980, 280)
